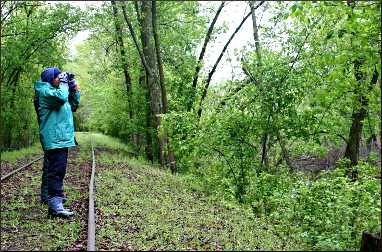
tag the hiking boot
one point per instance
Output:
(44, 201)
(56, 209)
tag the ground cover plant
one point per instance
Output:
(145, 208)
(25, 224)
(270, 109)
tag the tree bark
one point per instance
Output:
(148, 59)
(255, 34)
(153, 80)
(132, 33)
(264, 158)
(144, 79)
(359, 114)
(158, 56)
(264, 152)
(148, 126)
(284, 150)
(166, 140)
(125, 65)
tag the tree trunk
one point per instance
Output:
(149, 141)
(264, 152)
(359, 114)
(148, 59)
(255, 33)
(264, 158)
(119, 37)
(153, 80)
(284, 150)
(166, 140)
(125, 65)
(143, 80)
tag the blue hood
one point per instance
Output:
(49, 74)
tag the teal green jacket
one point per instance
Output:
(54, 110)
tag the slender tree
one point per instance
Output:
(201, 56)
(166, 140)
(211, 73)
(125, 66)
(148, 58)
(360, 111)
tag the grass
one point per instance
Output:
(141, 207)
(13, 156)
(24, 221)
(100, 140)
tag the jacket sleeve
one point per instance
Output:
(74, 100)
(54, 97)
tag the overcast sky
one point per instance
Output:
(232, 15)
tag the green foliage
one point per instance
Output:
(27, 46)
(102, 79)
(306, 92)
(300, 98)
(324, 214)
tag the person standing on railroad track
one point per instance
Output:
(56, 96)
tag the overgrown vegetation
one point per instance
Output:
(154, 210)
(295, 142)
(328, 212)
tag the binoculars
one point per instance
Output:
(66, 77)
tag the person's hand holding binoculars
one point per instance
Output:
(68, 78)
(73, 85)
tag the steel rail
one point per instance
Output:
(91, 216)
(18, 169)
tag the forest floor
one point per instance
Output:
(25, 224)
(139, 207)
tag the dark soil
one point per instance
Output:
(80, 207)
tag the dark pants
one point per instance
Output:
(44, 179)
(57, 162)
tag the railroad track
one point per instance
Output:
(91, 208)
(21, 168)
(91, 215)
